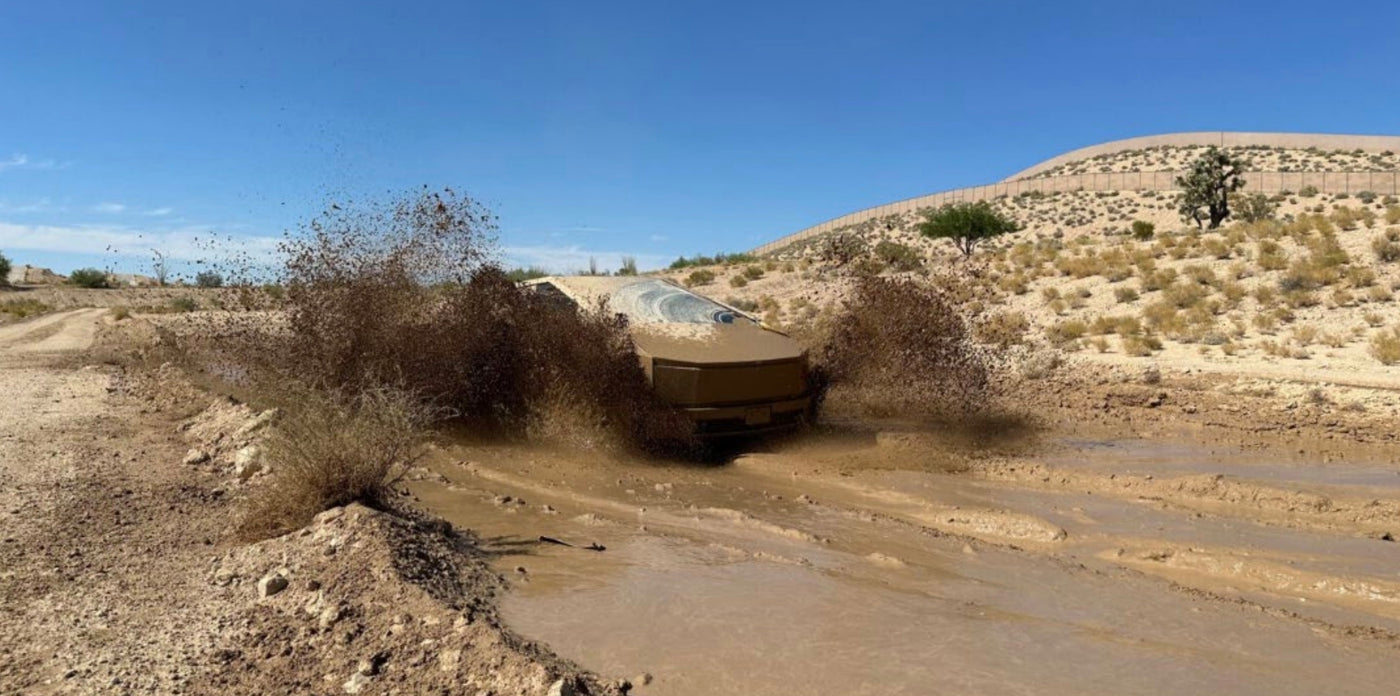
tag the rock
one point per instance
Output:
(370, 665)
(271, 584)
(257, 422)
(357, 682)
(642, 679)
(247, 461)
(548, 510)
(196, 456)
(329, 616)
(562, 687)
(449, 659)
(1151, 375)
(329, 516)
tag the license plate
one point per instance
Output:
(759, 415)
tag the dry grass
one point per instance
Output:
(333, 450)
(1385, 346)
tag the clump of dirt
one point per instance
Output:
(900, 348)
(316, 617)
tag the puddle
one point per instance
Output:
(1143, 457)
(759, 578)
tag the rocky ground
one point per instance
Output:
(119, 573)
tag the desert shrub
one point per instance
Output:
(209, 279)
(738, 281)
(742, 304)
(1308, 191)
(1385, 346)
(700, 277)
(1271, 256)
(1373, 319)
(844, 249)
(716, 260)
(1125, 294)
(899, 347)
(329, 449)
(4, 270)
(1143, 230)
(120, 313)
(1184, 295)
(184, 304)
(899, 257)
(1157, 279)
(1066, 331)
(1367, 197)
(88, 278)
(1386, 246)
(1003, 329)
(1254, 207)
(753, 272)
(1140, 346)
(1392, 215)
(21, 309)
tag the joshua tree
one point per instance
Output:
(967, 224)
(1208, 184)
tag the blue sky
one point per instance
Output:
(649, 128)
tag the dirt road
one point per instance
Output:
(118, 573)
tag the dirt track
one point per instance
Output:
(118, 574)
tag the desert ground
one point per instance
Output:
(1167, 530)
(1186, 482)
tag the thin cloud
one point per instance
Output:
(659, 238)
(22, 161)
(109, 207)
(159, 212)
(187, 244)
(14, 162)
(37, 206)
(571, 259)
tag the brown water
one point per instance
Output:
(839, 568)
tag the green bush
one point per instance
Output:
(753, 272)
(1308, 191)
(184, 304)
(738, 281)
(4, 270)
(700, 277)
(209, 279)
(1143, 230)
(899, 257)
(88, 278)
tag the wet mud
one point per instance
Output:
(867, 562)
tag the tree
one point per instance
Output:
(1212, 178)
(4, 270)
(88, 278)
(967, 224)
(208, 279)
(629, 266)
(1254, 207)
(159, 268)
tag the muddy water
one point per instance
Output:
(856, 568)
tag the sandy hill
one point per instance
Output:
(1307, 292)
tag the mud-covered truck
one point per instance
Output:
(721, 367)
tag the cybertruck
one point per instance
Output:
(721, 367)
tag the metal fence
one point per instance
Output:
(1380, 183)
